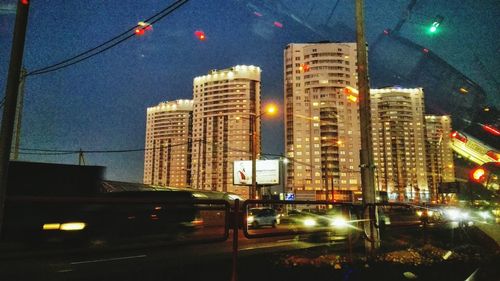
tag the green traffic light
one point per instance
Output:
(434, 27)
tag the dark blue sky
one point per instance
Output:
(100, 104)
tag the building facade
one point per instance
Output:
(167, 158)
(226, 103)
(322, 134)
(398, 135)
(440, 166)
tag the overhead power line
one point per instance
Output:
(55, 152)
(109, 43)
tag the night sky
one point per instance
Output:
(100, 104)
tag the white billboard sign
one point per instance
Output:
(268, 172)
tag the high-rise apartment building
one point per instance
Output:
(440, 167)
(226, 103)
(167, 159)
(322, 132)
(398, 131)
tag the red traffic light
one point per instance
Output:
(200, 35)
(478, 175)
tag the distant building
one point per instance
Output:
(322, 132)
(167, 159)
(440, 167)
(225, 104)
(398, 131)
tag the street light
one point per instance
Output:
(270, 109)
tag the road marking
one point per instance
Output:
(111, 259)
(258, 247)
(286, 240)
(64, 270)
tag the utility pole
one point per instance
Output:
(366, 153)
(19, 113)
(253, 191)
(9, 112)
(199, 166)
(153, 163)
(81, 158)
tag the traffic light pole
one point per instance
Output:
(11, 93)
(366, 153)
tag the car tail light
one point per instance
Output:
(197, 222)
(493, 155)
(458, 136)
(491, 129)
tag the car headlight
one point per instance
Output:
(419, 213)
(452, 214)
(250, 219)
(338, 222)
(485, 215)
(69, 226)
(309, 222)
(430, 213)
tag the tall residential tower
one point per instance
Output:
(322, 133)
(167, 159)
(398, 131)
(439, 154)
(226, 103)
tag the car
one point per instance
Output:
(264, 216)
(473, 149)
(332, 220)
(398, 215)
(307, 218)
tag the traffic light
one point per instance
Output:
(478, 175)
(437, 22)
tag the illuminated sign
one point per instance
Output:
(268, 172)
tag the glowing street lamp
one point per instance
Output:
(270, 109)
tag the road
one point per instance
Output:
(257, 258)
(129, 262)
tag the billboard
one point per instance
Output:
(268, 172)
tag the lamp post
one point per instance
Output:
(284, 175)
(269, 109)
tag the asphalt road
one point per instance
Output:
(257, 258)
(147, 258)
